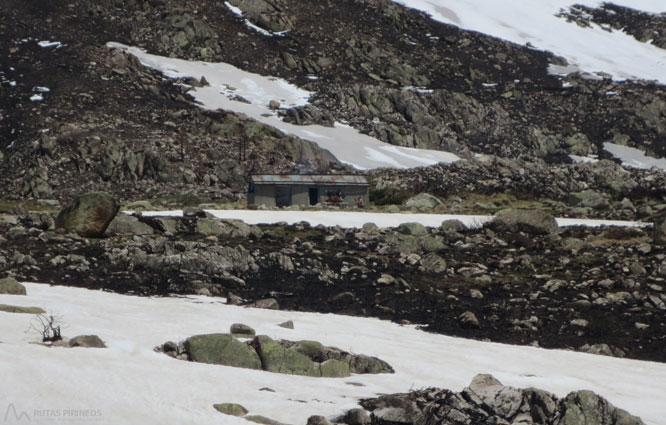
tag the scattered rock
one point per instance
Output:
(9, 285)
(222, 349)
(529, 221)
(88, 215)
(287, 325)
(232, 409)
(19, 309)
(241, 330)
(87, 341)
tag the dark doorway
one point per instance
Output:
(282, 196)
(314, 196)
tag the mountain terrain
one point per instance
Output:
(533, 136)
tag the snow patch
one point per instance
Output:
(227, 83)
(635, 158)
(358, 219)
(534, 24)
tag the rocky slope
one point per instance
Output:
(391, 72)
(595, 289)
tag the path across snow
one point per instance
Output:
(358, 219)
(129, 383)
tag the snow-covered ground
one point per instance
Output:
(358, 219)
(226, 82)
(588, 50)
(129, 383)
(635, 158)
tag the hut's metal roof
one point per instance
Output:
(321, 179)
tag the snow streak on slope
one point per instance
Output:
(129, 383)
(227, 82)
(587, 49)
(358, 219)
(635, 158)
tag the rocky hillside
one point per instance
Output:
(519, 280)
(76, 115)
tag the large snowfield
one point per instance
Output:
(129, 383)
(590, 50)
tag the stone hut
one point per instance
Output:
(283, 190)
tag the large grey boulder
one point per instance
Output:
(222, 349)
(413, 229)
(10, 286)
(528, 221)
(423, 202)
(88, 215)
(276, 358)
(588, 408)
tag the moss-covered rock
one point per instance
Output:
(232, 409)
(222, 349)
(313, 349)
(277, 358)
(258, 419)
(334, 369)
(10, 286)
(18, 309)
(88, 215)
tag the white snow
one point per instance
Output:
(46, 44)
(36, 98)
(130, 383)
(226, 81)
(358, 219)
(632, 157)
(578, 158)
(589, 50)
(238, 12)
(40, 89)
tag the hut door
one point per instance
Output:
(314, 196)
(282, 196)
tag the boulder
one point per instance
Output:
(413, 229)
(18, 309)
(452, 225)
(277, 358)
(258, 419)
(361, 363)
(222, 349)
(10, 286)
(423, 202)
(88, 215)
(125, 224)
(588, 408)
(87, 341)
(528, 221)
(268, 303)
(239, 329)
(357, 416)
(334, 369)
(232, 409)
(588, 199)
(318, 420)
(659, 230)
(289, 324)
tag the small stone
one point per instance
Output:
(318, 420)
(287, 325)
(88, 341)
